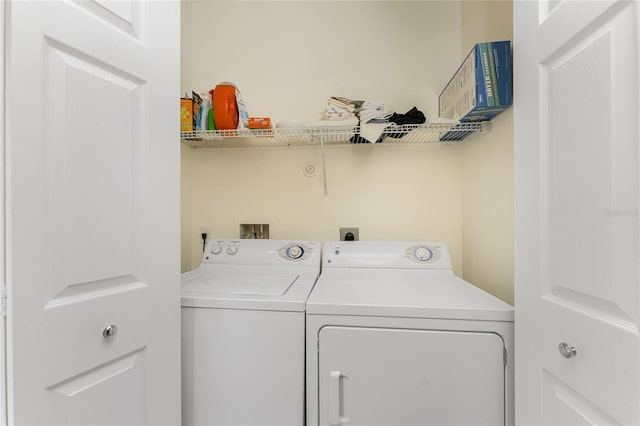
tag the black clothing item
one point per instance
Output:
(413, 116)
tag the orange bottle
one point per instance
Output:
(225, 107)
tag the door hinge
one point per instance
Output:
(504, 356)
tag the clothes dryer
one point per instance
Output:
(395, 338)
(243, 332)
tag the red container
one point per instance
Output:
(259, 123)
(225, 107)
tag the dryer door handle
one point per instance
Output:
(335, 399)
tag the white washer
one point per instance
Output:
(395, 338)
(243, 332)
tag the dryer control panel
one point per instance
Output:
(262, 252)
(424, 253)
(386, 254)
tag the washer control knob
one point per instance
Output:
(216, 249)
(295, 252)
(232, 250)
(423, 254)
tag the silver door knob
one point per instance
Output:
(567, 351)
(109, 331)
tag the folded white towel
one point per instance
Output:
(349, 122)
(372, 105)
(336, 108)
(333, 112)
(372, 131)
(338, 104)
(367, 115)
(372, 111)
(345, 101)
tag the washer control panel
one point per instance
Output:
(221, 248)
(261, 252)
(294, 251)
(423, 253)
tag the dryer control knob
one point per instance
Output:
(232, 250)
(295, 252)
(216, 249)
(423, 254)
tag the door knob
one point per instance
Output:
(109, 331)
(567, 351)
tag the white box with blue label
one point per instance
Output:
(482, 86)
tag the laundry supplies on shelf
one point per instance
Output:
(346, 122)
(300, 133)
(197, 102)
(373, 121)
(225, 107)
(342, 121)
(259, 123)
(339, 108)
(378, 123)
(481, 88)
(221, 108)
(186, 114)
(203, 114)
(413, 116)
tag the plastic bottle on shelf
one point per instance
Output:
(203, 114)
(225, 107)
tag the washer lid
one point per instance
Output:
(248, 287)
(240, 283)
(403, 293)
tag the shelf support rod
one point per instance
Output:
(324, 167)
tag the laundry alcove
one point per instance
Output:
(288, 58)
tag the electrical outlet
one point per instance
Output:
(350, 234)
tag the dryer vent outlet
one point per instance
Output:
(350, 234)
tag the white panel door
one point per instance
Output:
(3, 330)
(577, 235)
(93, 213)
(384, 377)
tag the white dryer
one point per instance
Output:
(394, 338)
(243, 332)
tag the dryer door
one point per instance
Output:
(375, 376)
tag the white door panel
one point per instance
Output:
(3, 328)
(374, 376)
(565, 407)
(577, 190)
(92, 211)
(74, 400)
(91, 166)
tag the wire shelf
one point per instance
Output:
(310, 136)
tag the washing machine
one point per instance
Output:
(395, 338)
(243, 332)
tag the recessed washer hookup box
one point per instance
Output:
(482, 86)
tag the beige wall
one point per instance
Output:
(389, 193)
(488, 170)
(187, 234)
(288, 58)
